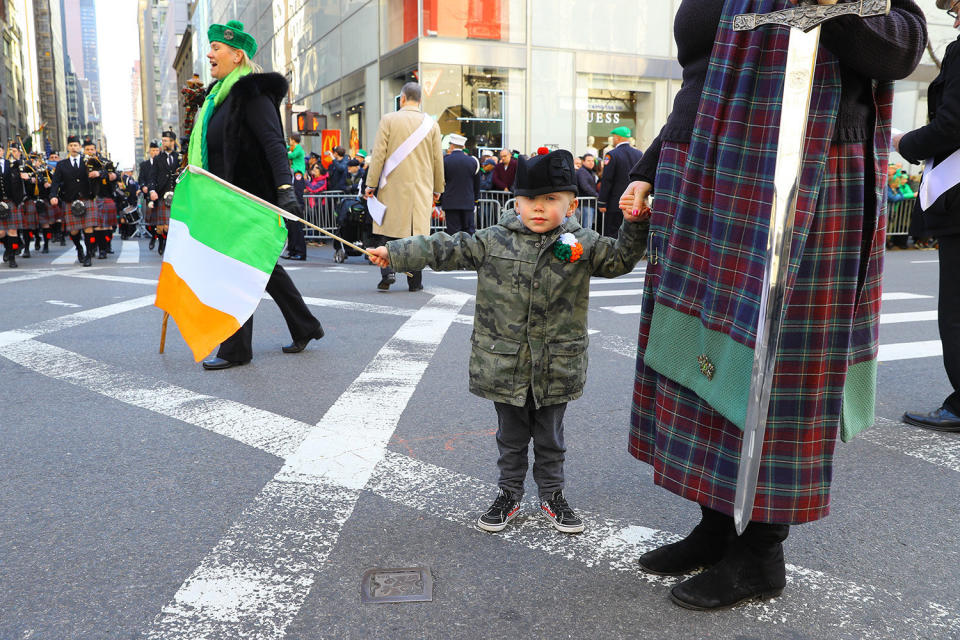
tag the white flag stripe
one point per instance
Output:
(218, 280)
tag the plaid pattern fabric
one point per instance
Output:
(29, 215)
(149, 213)
(15, 219)
(162, 215)
(72, 223)
(707, 246)
(106, 212)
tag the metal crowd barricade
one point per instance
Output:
(898, 217)
(321, 209)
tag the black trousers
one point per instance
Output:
(300, 322)
(948, 315)
(460, 220)
(415, 281)
(296, 242)
(517, 427)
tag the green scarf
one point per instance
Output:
(197, 151)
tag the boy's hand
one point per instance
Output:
(380, 257)
(633, 202)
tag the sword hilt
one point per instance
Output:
(809, 15)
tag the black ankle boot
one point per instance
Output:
(25, 238)
(162, 244)
(705, 546)
(46, 243)
(752, 569)
(13, 246)
(36, 242)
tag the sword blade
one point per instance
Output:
(798, 84)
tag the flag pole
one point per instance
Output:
(163, 331)
(280, 212)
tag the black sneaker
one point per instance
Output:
(501, 512)
(560, 515)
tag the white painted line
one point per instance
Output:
(60, 303)
(915, 316)
(465, 278)
(129, 252)
(924, 262)
(616, 292)
(910, 350)
(73, 320)
(595, 280)
(624, 310)
(939, 449)
(896, 295)
(614, 544)
(108, 278)
(30, 275)
(67, 257)
(626, 347)
(258, 576)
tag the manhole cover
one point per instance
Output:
(396, 585)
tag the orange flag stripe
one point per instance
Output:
(200, 325)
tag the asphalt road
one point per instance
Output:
(142, 497)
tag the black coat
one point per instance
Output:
(146, 169)
(69, 184)
(461, 176)
(245, 144)
(939, 139)
(616, 175)
(163, 176)
(11, 186)
(586, 183)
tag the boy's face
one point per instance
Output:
(546, 212)
(353, 169)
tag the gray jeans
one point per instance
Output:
(517, 426)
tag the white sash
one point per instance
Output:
(939, 179)
(376, 208)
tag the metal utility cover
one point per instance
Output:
(396, 585)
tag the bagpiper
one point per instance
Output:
(11, 203)
(104, 179)
(145, 178)
(73, 184)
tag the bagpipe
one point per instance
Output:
(39, 175)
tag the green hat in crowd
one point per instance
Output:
(623, 132)
(362, 153)
(232, 34)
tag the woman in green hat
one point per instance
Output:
(238, 136)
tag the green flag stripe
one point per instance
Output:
(229, 223)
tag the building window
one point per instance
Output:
(502, 20)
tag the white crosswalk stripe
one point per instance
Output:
(129, 252)
(69, 256)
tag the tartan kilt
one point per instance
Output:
(72, 223)
(693, 449)
(29, 219)
(162, 212)
(15, 219)
(149, 213)
(50, 214)
(106, 212)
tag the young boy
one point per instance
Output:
(530, 332)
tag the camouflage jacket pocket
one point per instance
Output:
(566, 367)
(493, 363)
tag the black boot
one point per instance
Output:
(61, 234)
(91, 249)
(415, 282)
(25, 238)
(13, 245)
(100, 237)
(78, 243)
(153, 237)
(752, 569)
(46, 241)
(704, 547)
(162, 244)
(108, 240)
(36, 241)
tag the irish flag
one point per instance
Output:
(221, 248)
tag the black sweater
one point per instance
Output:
(880, 48)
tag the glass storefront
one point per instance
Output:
(477, 102)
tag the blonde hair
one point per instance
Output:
(246, 62)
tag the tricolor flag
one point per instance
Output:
(221, 249)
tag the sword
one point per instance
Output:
(804, 23)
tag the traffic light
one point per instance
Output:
(310, 123)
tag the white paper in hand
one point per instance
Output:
(376, 209)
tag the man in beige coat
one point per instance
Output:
(413, 185)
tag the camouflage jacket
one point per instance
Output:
(530, 327)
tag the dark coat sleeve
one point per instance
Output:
(261, 118)
(56, 180)
(883, 47)
(941, 136)
(476, 184)
(646, 168)
(608, 178)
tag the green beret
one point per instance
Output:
(232, 34)
(623, 132)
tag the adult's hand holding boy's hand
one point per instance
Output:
(380, 257)
(633, 202)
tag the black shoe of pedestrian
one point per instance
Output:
(941, 419)
(501, 512)
(36, 244)
(6, 255)
(26, 251)
(87, 259)
(163, 245)
(293, 256)
(704, 547)
(385, 283)
(752, 569)
(213, 363)
(560, 515)
(416, 287)
(299, 345)
(12, 262)
(153, 243)
(101, 255)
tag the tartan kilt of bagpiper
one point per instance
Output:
(15, 219)
(694, 450)
(163, 212)
(48, 213)
(72, 223)
(149, 213)
(106, 212)
(29, 218)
